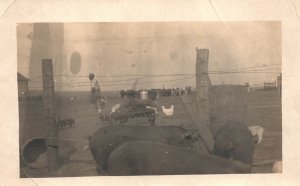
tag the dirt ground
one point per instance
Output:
(264, 109)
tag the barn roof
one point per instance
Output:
(22, 78)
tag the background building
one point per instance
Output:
(22, 85)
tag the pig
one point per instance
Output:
(235, 141)
(156, 158)
(109, 137)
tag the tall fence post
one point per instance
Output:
(202, 85)
(200, 111)
(48, 98)
(202, 88)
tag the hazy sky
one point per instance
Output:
(170, 48)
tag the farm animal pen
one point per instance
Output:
(32, 124)
(219, 110)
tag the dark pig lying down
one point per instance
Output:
(154, 158)
(106, 139)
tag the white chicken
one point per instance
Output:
(168, 111)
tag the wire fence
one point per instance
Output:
(59, 79)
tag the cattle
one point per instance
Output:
(106, 139)
(235, 141)
(166, 92)
(155, 158)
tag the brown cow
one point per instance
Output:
(106, 139)
(155, 158)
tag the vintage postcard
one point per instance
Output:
(156, 98)
(149, 93)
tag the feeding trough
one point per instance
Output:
(33, 153)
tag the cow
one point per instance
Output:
(155, 158)
(109, 137)
(235, 141)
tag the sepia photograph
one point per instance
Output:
(149, 98)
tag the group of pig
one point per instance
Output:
(121, 150)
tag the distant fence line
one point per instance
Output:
(263, 86)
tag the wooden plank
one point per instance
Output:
(204, 131)
(48, 98)
(201, 115)
(202, 86)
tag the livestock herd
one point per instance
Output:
(159, 150)
(120, 150)
(154, 93)
(166, 150)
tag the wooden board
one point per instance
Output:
(204, 131)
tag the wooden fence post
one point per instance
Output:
(200, 113)
(202, 88)
(48, 98)
(202, 85)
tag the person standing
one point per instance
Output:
(96, 97)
